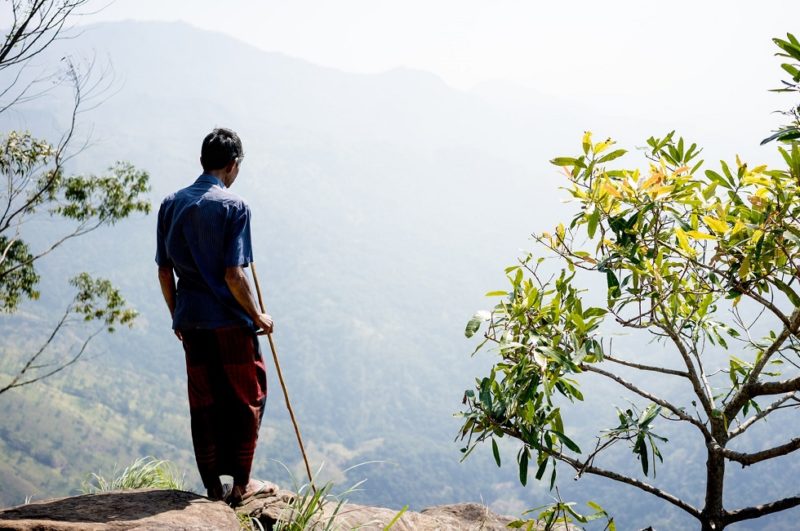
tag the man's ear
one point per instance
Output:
(229, 167)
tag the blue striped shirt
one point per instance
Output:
(202, 229)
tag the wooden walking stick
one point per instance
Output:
(280, 378)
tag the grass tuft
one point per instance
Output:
(142, 473)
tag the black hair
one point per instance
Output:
(220, 147)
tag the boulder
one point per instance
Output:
(133, 509)
(171, 510)
(275, 504)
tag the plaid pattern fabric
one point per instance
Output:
(227, 394)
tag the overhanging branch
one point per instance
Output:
(758, 511)
(750, 459)
(660, 401)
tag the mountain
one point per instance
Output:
(384, 206)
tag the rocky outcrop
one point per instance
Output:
(463, 516)
(171, 510)
(132, 509)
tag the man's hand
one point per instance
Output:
(237, 282)
(264, 322)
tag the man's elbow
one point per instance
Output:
(165, 272)
(234, 275)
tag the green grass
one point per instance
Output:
(142, 473)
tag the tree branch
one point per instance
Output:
(760, 415)
(697, 385)
(591, 469)
(750, 459)
(642, 367)
(660, 401)
(746, 392)
(758, 511)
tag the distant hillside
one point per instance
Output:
(384, 207)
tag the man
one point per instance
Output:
(203, 236)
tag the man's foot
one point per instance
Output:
(253, 489)
(219, 492)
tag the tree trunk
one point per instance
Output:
(713, 516)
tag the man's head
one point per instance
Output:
(222, 154)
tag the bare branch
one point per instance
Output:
(591, 469)
(660, 401)
(758, 511)
(58, 369)
(15, 381)
(750, 388)
(747, 459)
(642, 367)
(760, 415)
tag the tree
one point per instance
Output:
(35, 183)
(706, 263)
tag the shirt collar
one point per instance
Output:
(210, 179)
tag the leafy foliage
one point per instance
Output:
(679, 250)
(790, 49)
(32, 173)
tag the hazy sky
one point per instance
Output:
(622, 46)
(674, 59)
(679, 63)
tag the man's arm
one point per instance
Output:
(167, 281)
(237, 282)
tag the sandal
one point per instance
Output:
(262, 489)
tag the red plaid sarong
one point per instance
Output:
(227, 394)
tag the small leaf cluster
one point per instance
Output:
(108, 198)
(790, 49)
(98, 300)
(19, 278)
(543, 332)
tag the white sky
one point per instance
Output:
(679, 62)
(557, 47)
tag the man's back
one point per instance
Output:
(203, 229)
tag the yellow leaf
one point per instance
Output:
(683, 241)
(681, 170)
(738, 162)
(697, 235)
(717, 225)
(560, 231)
(587, 141)
(661, 190)
(757, 234)
(602, 146)
(652, 181)
(611, 190)
(744, 269)
(737, 227)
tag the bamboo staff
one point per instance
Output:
(280, 378)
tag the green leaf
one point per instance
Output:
(567, 441)
(475, 323)
(523, 467)
(613, 284)
(566, 161)
(594, 218)
(611, 156)
(541, 469)
(496, 452)
(498, 293)
(789, 292)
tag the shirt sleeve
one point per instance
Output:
(162, 259)
(238, 247)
